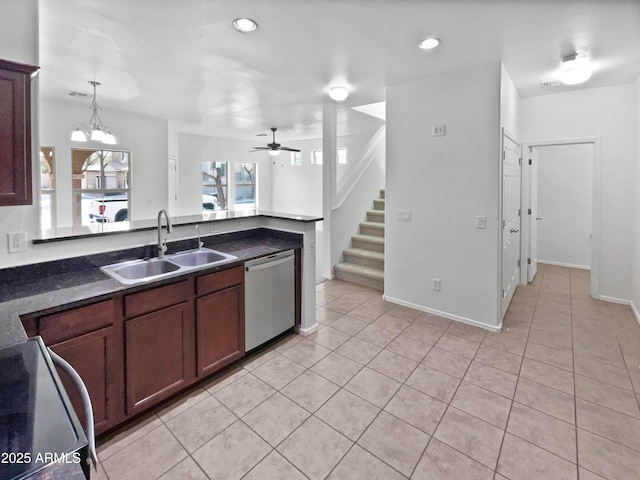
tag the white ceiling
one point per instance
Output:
(181, 60)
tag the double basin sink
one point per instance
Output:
(137, 271)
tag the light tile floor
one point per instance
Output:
(387, 392)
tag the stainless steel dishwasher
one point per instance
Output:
(269, 292)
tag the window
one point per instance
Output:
(245, 184)
(47, 197)
(101, 186)
(316, 157)
(296, 158)
(341, 155)
(214, 185)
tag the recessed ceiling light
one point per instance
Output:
(338, 93)
(244, 25)
(429, 43)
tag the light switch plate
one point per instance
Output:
(481, 222)
(435, 284)
(404, 215)
(17, 242)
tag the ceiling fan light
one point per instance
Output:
(274, 153)
(338, 93)
(575, 75)
(244, 25)
(429, 43)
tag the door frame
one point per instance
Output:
(513, 138)
(595, 209)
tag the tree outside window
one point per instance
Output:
(245, 184)
(101, 182)
(47, 198)
(214, 185)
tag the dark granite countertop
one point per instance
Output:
(53, 286)
(97, 229)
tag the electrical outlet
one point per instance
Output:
(404, 215)
(435, 284)
(439, 130)
(312, 247)
(17, 242)
(481, 222)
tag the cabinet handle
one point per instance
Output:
(84, 394)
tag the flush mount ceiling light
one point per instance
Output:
(96, 131)
(429, 43)
(244, 25)
(575, 69)
(338, 93)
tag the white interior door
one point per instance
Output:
(511, 203)
(532, 260)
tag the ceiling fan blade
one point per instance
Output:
(259, 150)
(289, 149)
(262, 148)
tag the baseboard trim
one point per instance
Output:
(567, 265)
(450, 316)
(622, 301)
(305, 332)
(635, 311)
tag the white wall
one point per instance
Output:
(19, 43)
(509, 104)
(635, 294)
(565, 192)
(607, 113)
(445, 182)
(144, 137)
(298, 188)
(193, 149)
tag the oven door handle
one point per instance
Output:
(84, 394)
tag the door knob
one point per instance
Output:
(515, 230)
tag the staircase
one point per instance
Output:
(364, 261)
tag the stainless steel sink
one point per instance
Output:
(204, 256)
(138, 271)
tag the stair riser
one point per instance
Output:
(376, 216)
(378, 204)
(366, 262)
(360, 280)
(374, 247)
(376, 232)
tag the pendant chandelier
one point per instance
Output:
(96, 131)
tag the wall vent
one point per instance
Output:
(550, 83)
(79, 94)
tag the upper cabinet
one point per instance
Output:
(15, 133)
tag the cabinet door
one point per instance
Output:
(219, 329)
(15, 133)
(159, 355)
(95, 356)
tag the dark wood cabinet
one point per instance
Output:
(159, 352)
(90, 339)
(219, 319)
(15, 133)
(219, 329)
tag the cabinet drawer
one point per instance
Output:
(62, 326)
(156, 298)
(219, 280)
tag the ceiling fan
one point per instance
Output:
(274, 148)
